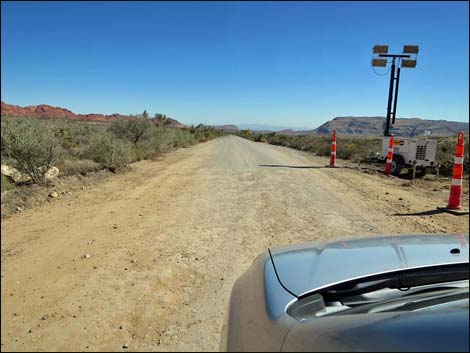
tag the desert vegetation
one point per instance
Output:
(33, 145)
(355, 148)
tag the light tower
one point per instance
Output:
(406, 60)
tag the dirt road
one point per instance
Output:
(166, 241)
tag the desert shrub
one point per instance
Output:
(182, 138)
(30, 144)
(144, 150)
(78, 166)
(83, 142)
(158, 140)
(78, 147)
(445, 154)
(346, 151)
(355, 148)
(202, 133)
(323, 150)
(6, 184)
(110, 151)
(133, 129)
(257, 137)
(162, 139)
(149, 139)
(81, 137)
(296, 143)
(351, 148)
(280, 140)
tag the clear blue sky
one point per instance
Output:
(279, 63)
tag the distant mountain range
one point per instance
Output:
(374, 126)
(348, 125)
(269, 127)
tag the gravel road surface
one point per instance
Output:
(145, 260)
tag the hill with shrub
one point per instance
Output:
(33, 145)
(374, 126)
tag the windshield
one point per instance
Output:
(409, 290)
(451, 297)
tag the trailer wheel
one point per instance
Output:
(422, 172)
(397, 165)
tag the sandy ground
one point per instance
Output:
(166, 241)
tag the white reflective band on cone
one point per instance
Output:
(389, 161)
(333, 153)
(390, 149)
(456, 182)
(458, 160)
(333, 143)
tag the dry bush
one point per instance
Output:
(78, 166)
(6, 184)
(31, 144)
(445, 154)
(110, 151)
(133, 129)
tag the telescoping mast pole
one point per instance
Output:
(391, 97)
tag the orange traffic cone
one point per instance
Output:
(456, 186)
(388, 166)
(333, 150)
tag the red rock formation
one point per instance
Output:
(47, 111)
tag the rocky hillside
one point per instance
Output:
(373, 126)
(167, 121)
(47, 111)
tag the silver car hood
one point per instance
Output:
(312, 266)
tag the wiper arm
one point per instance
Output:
(409, 303)
(402, 280)
(416, 305)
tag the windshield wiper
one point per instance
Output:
(416, 305)
(402, 280)
(410, 303)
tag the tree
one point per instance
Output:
(132, 129)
